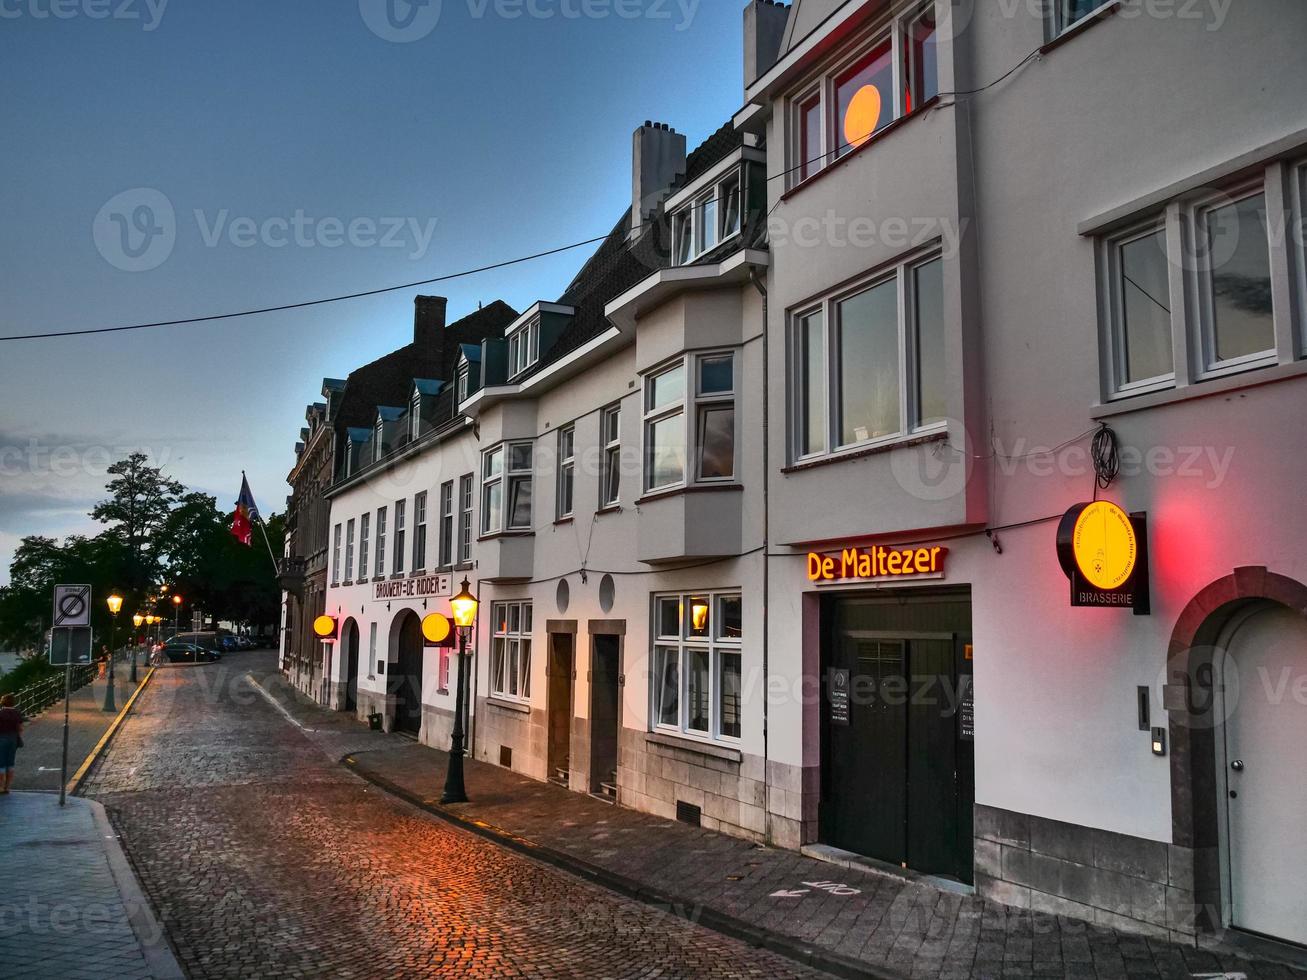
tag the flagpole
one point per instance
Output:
(276, 569)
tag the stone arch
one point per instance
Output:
(1190, 697)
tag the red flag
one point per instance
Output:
(242, 526)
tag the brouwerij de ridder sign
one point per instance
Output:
(417, 587)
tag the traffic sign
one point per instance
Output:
(72, 605)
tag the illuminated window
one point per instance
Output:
(510, 651)
(847, 390)
(697, 660)
(708, 220)
(864, 98)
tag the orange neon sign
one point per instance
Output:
(876, 562)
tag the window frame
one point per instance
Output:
(415, 417)
(523, 348)
(691, 408)
(445, 556)
(466, 500)
(381, 543)
(335, 555)
(349, 551)
(1055, 16)
(507, 479)
(401, 512)
(610, 462)
(705, 402)
(694, 213)
(420, 531)
(1113, 295)
(566, 478)
(714, 644)
(901, 272)
(463, 384)
(504, 638)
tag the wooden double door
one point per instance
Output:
(898, 767)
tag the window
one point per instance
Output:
(492, 491)
(379, 441)
(506, 488)
(847, 385)
(372, 645)
(447, 524)
(895, 73)
(415, 416)
(610, 468)
(519, 486)
(510, 651)
(715, 417)
(465, 486)
(1069, 13)
(420, 531)
(365, 534)
(711, 406)
(349, 551)
(664, 429)
(463, 375)
(709, 220)
(1171, 320)
(335, 556)
(697, 664)
(381, 542)
(523, 348)
(566, 470)
(400, 506)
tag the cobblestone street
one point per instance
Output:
(264, 857)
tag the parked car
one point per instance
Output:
(188, 653)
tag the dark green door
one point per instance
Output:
(897, 762)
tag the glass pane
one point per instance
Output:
(812, 380)
(565, 490)
(514, 618)
(923, 70)
(612, 425)
(493, 463)
(497, 667)
(707, 224)
(864, 99)
(526, 668)
(684, 244)
(667, 388)
(1075, 10)
(667, 687)
(728, 686)
(492, 509)
(717, 443)
(716, 375)
(667, 451)
(612, 475)
(1145, 336)
(669, 617)
(869, 364)
(1241, 278)
(928, 295)
(730, 209)
(697, 690)
(519, 457)
(566, 439)
(810, 139)
(526, 617)
(512, 667)
(698, 617)
(730, 617)
(519, 505)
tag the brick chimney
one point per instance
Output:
(764, 31)
(657, 159)
(429, 320)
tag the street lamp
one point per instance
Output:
(176, 615)
(149, 628)
(115, 603)
(464, 606)
(137, 620)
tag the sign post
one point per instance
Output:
(70, 643)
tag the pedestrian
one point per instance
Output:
(11, 740)
(103, 663)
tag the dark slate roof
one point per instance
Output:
(426, 386)
(473, 352)
(707, 154)
(390, 414)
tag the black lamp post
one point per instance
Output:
(464, 606)
(137, 620)
(115, 603)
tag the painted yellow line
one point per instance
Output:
(100, 746)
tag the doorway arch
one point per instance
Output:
(349, 655)
(1196, 723)
(404, 680)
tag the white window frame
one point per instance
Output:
(381, 542)
(349, 550)
(335, 556)
(683, 643)
(401, 532)
(514, 477)
(565, 490)
(489, 480)
(420, 531)
(415, 417)
(365, 532)
(656, 414)
(1056, 11)
(901, 273)
(894, 29)
(524, 348)
(695, 212)
(447, 526)
(466, 492)
(464, 376)
(1113, 293)
(691, 407)
(508, 479)
(610, 418)
(379, 440)
(510, 650)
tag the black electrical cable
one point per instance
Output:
(1106, 457)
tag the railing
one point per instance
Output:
(35, 698)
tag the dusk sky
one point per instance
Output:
(482, 134)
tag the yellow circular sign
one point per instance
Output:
(863, 115)
(324, 626)
(436, 628)
(1104, 545)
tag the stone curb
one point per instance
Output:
(79, 777)
(709, 918)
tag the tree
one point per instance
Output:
(140, 501)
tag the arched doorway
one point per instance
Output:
(1237, 697)
(404, 684)
(349, 652)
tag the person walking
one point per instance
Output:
(11, 740)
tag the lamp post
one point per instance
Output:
(150, 620)
(137, 620)
(115, 603)
(176, 615)
(464, 606)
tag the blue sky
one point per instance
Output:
(302, 152)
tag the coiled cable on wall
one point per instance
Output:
(1106, 457)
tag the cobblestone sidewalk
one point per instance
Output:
(71, 907)
(846, 918)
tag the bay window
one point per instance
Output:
(708, 220)
(698, 664)
(867, 365)
(691, 423)
(510, 651)
(506, 473)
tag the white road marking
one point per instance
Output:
(797, 893)
(277, 704)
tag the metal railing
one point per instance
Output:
(35, 698)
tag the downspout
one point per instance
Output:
(766, 547)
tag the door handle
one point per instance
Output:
(1237, 765)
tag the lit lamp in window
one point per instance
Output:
(464, 609)
(115, 604)
(698, 614)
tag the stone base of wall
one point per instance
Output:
(521, 730)
(372, 703)
(795, 797)
(1122, 882)
(437, 727)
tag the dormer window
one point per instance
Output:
(712, 218)
(463, 374)
(415, 416)
(524, 348)
(379, 441)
